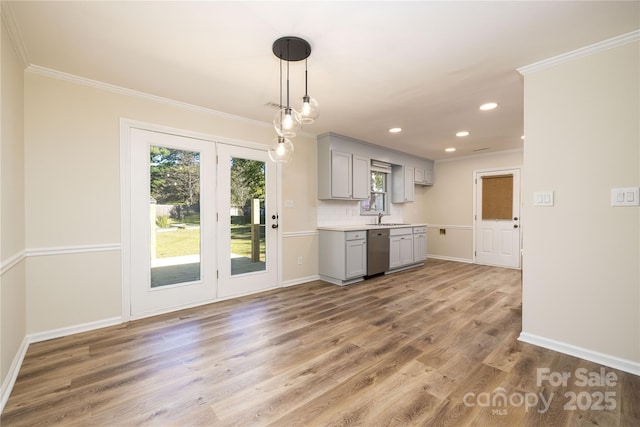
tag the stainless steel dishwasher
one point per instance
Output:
(377, 251)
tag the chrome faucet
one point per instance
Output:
(379, 218)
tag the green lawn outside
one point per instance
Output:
(183, 242)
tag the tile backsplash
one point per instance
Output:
(339, 212)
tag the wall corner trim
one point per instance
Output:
(583, 353)
(12, 374)
(12, 261)
(611, 43)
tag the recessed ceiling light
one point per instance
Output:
(522, 137)
(488, 106)
(450, 150)
(395, 130)
(462, 133)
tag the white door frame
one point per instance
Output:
(475, 205)
(125, 199)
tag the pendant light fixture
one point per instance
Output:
(287, 121)
(310, 109)
(281, 150)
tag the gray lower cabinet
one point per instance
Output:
(419, 244)
(400, 247)
(343, 256)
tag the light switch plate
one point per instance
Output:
(625, 196)
(543, 198)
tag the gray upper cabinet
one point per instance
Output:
(403, 189)
(344, 169)
(349, 177)
(423, 176)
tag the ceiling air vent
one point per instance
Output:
(274, 105)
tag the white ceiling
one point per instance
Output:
(424, 66)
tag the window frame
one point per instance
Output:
(373, 192)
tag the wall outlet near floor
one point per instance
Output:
(625, 196)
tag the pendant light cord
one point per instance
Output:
(280, 82)
(306, 89)
(288, 56)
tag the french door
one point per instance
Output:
(198, 213)
(248, 262)
(497, 218)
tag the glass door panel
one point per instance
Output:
(174, 212)
(247, 216)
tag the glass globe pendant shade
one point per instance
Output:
(281, 150)
(310, 110)
(287, 122)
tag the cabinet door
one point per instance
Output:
(340, 174)
(409, 186)
(418, 175)
(419, 247)
(361, 178)
(428, 177)
(406, 250)
(402, 180)
(356, 263)
(394, 252)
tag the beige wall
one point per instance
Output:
(72, 149)
(449, 203)
(12, 246)
(581, 277)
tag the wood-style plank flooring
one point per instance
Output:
(436, 345)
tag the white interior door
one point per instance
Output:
(173, 257)
(497, 218)
(248, 221)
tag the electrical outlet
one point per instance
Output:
(299, 260)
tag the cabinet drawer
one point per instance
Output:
(355, 235)
(400, 231)
(417, 230)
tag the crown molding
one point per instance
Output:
(474, 156)
(621, 40)
(72, 78)
(9, 20)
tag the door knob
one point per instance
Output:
(515, 218)
(515, 225)
(274, 225)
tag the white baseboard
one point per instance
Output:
(75, 329)
(300, 281)
(12, 374)
(450, 258)
(583, 353)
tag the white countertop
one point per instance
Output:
(359, 227)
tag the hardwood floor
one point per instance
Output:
(429, 346)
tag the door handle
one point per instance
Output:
(515, 225)
(274, 225)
